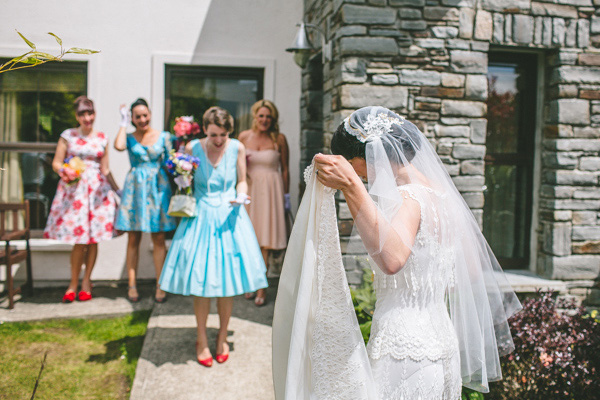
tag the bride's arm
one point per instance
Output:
(388, 242)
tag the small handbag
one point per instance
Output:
(182, 205)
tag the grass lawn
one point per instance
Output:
(87, 359)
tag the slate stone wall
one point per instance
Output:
(428, 60)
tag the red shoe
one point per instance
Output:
(221, 358)
(69, 297)
(84, 296)
(207, 362)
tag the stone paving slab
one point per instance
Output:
(46, 303)
(168, 369)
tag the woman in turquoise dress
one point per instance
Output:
(215, 253)
(146, 192)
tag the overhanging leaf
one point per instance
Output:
(29, 43)
(77, 50)
(59, 40)
(43, 56)
(31, 60)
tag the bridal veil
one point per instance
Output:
(313, 305)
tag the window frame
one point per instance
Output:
(210, 71)
(525, 157)
(45, 147)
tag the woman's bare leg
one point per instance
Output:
(77, 257)
(90, 261)
(224, 308)
(261, 294)
(159, 253)
(201, 310)
(133, 253)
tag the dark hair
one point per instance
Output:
(83, 104)
(138, 102)
(348, 145)
(218, 116)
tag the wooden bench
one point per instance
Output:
(10, 255)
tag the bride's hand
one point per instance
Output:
(334, 171)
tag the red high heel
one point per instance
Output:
(221, 358)
(84, 296)
(207, 362)
(69, 297)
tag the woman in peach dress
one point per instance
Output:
(268, 178)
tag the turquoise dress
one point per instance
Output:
(146, 192)
(215, 253)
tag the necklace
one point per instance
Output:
(208, 175)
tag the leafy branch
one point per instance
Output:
(34, 57)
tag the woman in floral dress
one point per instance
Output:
(83, 210)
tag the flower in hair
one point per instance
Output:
(374, 126)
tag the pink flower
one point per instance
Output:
(59, 221)
(77, 204)
(80, 142)
(78, 231)
(101, 135)
(108, 227)
(182, 128)
(195, 128)
(186, 166)
(70, 174)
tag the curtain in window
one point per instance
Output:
(11, 185)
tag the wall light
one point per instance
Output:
(303, 48)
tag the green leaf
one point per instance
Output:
(43, 56)
(19, 58)
(31, 60)
(77, 50)
(29, 43)
(59, 40)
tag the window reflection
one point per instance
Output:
(35, 107)
(192, 90)
(509, 157)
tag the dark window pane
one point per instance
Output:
(503, 99)
(192, 90)
(509, 156)
(503, 219)
(36, 105)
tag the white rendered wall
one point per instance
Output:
(135, 38)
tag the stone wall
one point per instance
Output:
(427, 60)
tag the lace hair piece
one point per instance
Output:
(376, 125)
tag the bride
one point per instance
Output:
(440, 320)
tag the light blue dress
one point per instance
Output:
(215, 253)
(146, 192)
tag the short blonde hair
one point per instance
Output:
(274, 128)
(218, 116)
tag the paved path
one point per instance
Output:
(168, 369)
(108, 301)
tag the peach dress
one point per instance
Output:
(265, 187)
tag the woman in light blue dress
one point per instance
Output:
(146, 192)
(215, 253)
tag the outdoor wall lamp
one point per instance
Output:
(303, 48)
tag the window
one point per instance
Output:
(512, 82)
(192, 90)
(36, 105)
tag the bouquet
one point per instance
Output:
(72, 169)
(181, 166)
(185, 129)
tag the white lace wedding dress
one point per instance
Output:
(318, 351)
(413, 346)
